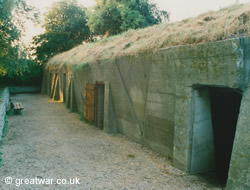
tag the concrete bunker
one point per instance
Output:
(215, 115)
(167, 111)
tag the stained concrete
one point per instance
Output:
(202, 155)
(239, 173)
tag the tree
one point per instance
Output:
(65, 27)
(9, 34)
(110, 17)
(14, 62)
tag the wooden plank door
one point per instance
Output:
(89, 104)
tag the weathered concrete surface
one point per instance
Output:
(110, 121)
(202, 154)
(4, 102)
(217, 64)
(228, 70)
(150, 94)
(239, 173)
(182, 123)
(160, 106)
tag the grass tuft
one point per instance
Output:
(131, 156)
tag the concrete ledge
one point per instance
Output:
(24, 89)
(4, 102)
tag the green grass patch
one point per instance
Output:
(10, 112)
(131, 156)
(81, 67)
(81, 116)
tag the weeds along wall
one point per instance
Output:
(148, 97)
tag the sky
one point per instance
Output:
(178, 9)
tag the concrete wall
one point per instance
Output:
(148, 97)
(239, 173)
(215, 64)
(4, 102)
(24, 89)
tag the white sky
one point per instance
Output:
(182, 9)
(178, 9)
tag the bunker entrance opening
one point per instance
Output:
(215, 115)
(225, 106)
(99, 105)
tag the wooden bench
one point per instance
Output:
(17, 106)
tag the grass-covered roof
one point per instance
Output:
(226, 23)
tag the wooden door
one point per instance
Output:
(89, 104)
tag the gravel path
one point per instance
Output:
(48, 142)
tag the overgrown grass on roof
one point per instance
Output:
(226, 23)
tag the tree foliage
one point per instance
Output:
(9, 34)
(110, 17)
(13, 57)
(65, 27)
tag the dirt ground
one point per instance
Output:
(48, 142)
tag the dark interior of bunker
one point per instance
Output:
(225, 105)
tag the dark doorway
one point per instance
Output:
(225, 105)
(214, 119)
(99, 105)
